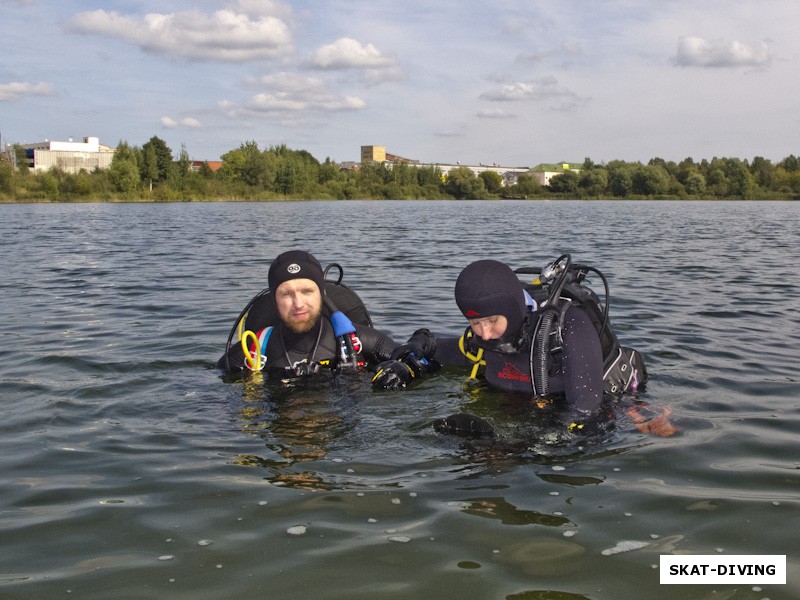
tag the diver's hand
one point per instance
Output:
(392, 375)
(422, 343)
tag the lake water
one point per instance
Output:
(132, 469)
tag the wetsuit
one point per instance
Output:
(290, 353)
(576, 371)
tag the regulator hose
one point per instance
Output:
(541, 340)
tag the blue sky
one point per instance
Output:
(515, 83)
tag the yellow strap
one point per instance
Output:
(477, 358)
(380, 371)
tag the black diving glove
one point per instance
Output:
(464, 425)
(396, 374)
(422, 344)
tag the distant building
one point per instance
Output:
(370, 154)
(378, 154)
(70, 157)
(509, 175)
(544, 172)
(214, 165)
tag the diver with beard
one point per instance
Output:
(547, 347)
(298, 330)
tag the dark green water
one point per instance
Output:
(130, 469)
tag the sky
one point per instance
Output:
(513, 83)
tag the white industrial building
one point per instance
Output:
(70, 157)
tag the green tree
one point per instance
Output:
(463, 184)
(7, 183)
(593, 182)
(527, 185)
(741, 183)
(564, 183)
(492, 181)
(21, 156)
(791, 163)
(429, 176)
(763, 171)
(149, 165)
(650, 180)
(205, 171)
(695, 184)
(328, 171)
(250, 166)
(157, 160)
(124, 170)
(47, 184)
(620, 182)
(78, 184)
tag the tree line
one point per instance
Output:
(152, 173)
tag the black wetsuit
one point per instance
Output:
(292, 353)
(576, 371)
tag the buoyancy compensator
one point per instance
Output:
(557, 286)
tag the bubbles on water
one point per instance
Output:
(166, 557)
(205, 542)
(297, 530)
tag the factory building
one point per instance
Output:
(70, 157)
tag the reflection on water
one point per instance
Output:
(298, 420)
(132, 469)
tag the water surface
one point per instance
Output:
(132, 469)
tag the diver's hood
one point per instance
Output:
(512, 342)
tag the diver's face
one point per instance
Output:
(489, 328)
(299, 304)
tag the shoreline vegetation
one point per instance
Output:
(151, 174)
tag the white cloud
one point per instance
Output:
(170, 123)
(291, 94)
(224, 36)
(349, 54)
(542, 89)
(697, 52)
(20, 89)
